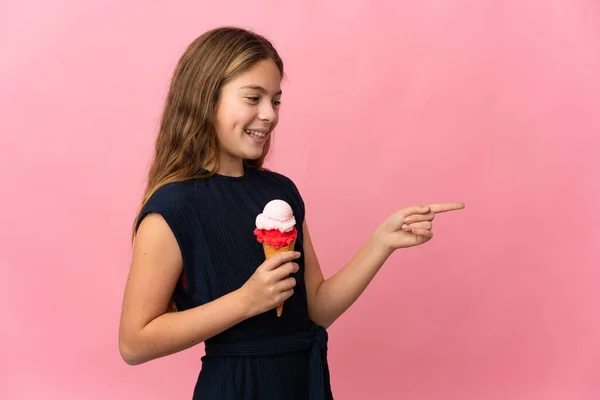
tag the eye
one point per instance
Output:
(253, 98)
(277, 103)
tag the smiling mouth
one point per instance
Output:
(256, 134)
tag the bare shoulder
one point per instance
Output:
(155, 244)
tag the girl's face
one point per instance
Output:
(247, 113)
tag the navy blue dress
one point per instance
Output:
(265, 357)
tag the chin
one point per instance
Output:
(253, 156)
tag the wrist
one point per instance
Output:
(245, 303)
(379, 244)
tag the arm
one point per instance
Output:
(328, 299)
(146, 330)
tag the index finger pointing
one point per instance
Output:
(443, 207)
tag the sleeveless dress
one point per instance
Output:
(264, 357)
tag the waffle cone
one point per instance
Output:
(270, 251)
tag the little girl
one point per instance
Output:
(198, 274)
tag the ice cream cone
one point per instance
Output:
(270, 251)
(276, 230)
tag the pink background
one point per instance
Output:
(496, 104)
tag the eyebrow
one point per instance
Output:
(259, 88)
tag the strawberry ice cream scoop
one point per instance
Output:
(276, 225)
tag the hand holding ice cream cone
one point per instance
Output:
(276, 230)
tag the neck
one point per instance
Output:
(233, 168)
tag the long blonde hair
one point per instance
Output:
(187, 138)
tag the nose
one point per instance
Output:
(267, 112)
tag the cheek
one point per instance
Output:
(244, 116)
(235, 120)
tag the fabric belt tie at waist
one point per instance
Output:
(315, 340)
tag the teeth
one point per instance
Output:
(255, 133)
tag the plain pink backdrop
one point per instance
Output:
(386, 105)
